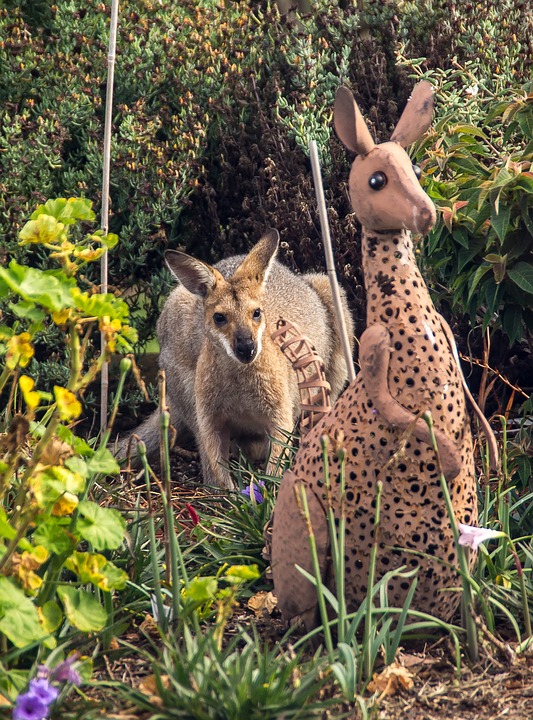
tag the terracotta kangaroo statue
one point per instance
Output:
(409, 364)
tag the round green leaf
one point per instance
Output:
(82, 609)
(104, 528)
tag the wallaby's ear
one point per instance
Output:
(416, 118)
(258, 262)
(350, 125)
(198, 277)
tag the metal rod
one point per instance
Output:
(104, 384)
(330, 262)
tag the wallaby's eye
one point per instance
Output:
(220, 319)
(417, 171)
(377, 181)
(257, 314)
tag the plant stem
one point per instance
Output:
(369, 620)
(471, 630)
(302, 502)
(161, 610)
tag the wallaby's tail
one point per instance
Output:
(148, 432)
(336, 369)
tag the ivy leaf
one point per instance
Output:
(82, 609)
(53, 534)
(103, 462)
(240, 573)
(19, 620)
(104, 528)
(200, 590)
(96, 569)
(42, 287)
(68, 211)
(51, 616)
(522, 275)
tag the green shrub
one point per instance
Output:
(480, 178)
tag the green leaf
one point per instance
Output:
(38, 286)
(500, 220)
(103, 462)
(525, 182)
(525, 120)
(77, 465)
(19, 620)
(492, 296)
(461, 236)
(68, 211)
(28, 311)
(104, 528)
(6, 531)
(476, 277)
(53, 535)
(512, 322)
(44, 230)
(240, 573)
(100, 306)
(97, 569)
(82, 609)
(522, 275)
(465, 255)
(201, 590)
(51, 616)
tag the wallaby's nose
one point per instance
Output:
(245, 349)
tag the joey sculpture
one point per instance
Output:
(409, 364)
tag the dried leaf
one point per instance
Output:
(263, 603)
(409, 660)
(148, 686)
(391, 679)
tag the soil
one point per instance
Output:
(498, 687)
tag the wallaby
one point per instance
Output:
(227, 381)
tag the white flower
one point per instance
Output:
(472, 90)
(473, 536)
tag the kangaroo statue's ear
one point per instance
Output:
(416, 118)
(198, 277)
(350, 125)
(258, 263)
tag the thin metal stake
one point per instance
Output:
(104, 385)
(330, 262)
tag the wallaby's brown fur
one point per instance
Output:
(227, 381)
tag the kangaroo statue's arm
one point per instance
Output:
(374, 358)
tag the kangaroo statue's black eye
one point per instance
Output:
(257, 314)
(377, 181)
(417, 171)
(219, 319)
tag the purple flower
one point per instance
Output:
(254, 486)
(64, 672)
(473, 536)
(42, 689)
(29, 706)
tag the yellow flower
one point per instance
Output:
(68, 405)
(19, 350)
(31, 396)
(66, 505)
(61, 316)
